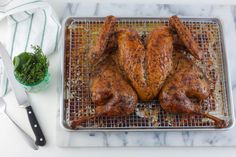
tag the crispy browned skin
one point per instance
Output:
(186, 82)
(186, 37)
(112, 95)
(148, 68)
(104, 42)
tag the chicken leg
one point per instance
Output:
(111, 94)
(186, 82)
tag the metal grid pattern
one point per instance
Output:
(80, 34)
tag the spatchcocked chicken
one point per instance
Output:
(126, 69)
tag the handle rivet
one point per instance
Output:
(35, 125)
(41, 139)
(30, 112)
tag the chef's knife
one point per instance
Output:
(21, 96)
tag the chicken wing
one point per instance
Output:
(104, 43)
(186, 37)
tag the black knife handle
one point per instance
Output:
(40, 139)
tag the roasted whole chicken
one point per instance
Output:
(126, 69)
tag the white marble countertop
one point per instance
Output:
(45, 103)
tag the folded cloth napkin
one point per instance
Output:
(30, 22)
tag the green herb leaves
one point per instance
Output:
(31, 68)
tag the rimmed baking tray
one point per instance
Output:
(79, 35)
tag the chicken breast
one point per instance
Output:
(145, 68)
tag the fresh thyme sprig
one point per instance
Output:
(31, 68)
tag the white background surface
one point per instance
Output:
(45, 107)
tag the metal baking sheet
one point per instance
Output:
(79, 35)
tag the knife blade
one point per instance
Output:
(21, 96)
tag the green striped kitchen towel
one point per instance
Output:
(30, 22)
